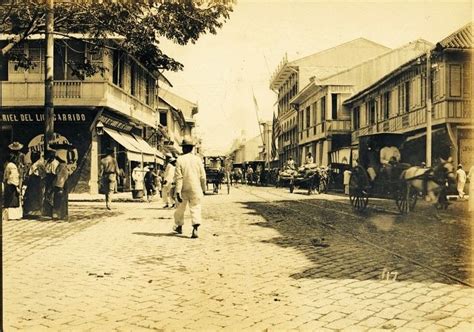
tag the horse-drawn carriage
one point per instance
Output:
(380, 173)
(215, 173)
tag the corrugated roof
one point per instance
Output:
(179, 103)
(460, 39)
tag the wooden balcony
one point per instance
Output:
(452, 111)
(77, 94)
(325, 129)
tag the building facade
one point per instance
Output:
(175, 119)
(397, 103)
(324, 124)
(290, 77)
(117, 109)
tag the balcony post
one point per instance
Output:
(428, 110)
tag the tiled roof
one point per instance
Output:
(459, 39)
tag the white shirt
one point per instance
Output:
(169, 174)
(461, 175)
(190, 176)
(388, 152)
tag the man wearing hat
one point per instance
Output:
(190, 181)
(108, 173)
(50, 166)
(168, 181)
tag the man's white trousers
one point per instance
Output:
(194, 208)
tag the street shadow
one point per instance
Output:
(344, 245)
(169, 234)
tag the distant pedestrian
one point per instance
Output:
(461, 178)
(159, 182)
(309, 159)
(190, 187)
(150, 183)
(168, 183)
(61, 200)
(50, 168)
(290, 163)
(108, 175)
(11, 182)
(33, 201)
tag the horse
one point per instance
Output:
(432, 182)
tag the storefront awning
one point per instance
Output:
(145, 147)
(137, 150)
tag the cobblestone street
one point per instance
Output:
(265, 259)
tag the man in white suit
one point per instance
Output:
(190, 179)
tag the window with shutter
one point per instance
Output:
(455, 80)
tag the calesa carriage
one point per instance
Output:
(215, 174)
(378, 173)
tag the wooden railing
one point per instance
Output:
(325, 128)
(446, 111)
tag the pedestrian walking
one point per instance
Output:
(108, 175)
(168, 180)
(150, 183)
(12, 196)
(33, 200)
(159, 182)
(50, 168)
(461, 178)
(190, 181)
(60, 190)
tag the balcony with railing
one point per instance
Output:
(97, 93)
(325, 129)
(452, 111)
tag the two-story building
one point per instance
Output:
(115, 109)
(397, 103)
(324, 125)
(176, 117)
(290, 77)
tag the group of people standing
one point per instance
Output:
(38, 188)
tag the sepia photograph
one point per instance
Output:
(236, 165)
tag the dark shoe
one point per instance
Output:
(109, 208)
(194, 234)
(178, 229)
(166, 206)
(173, 206)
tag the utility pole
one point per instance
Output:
(49, 75)
(428, 109)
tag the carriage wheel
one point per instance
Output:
(406, 198)
(358, 197)
(292, 186)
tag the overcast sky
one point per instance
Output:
(221, 71)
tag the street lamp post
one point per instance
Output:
(49, 76)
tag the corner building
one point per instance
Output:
(115, 110)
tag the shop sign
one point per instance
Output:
(25, 117)
(37, 145)
(116, 124)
